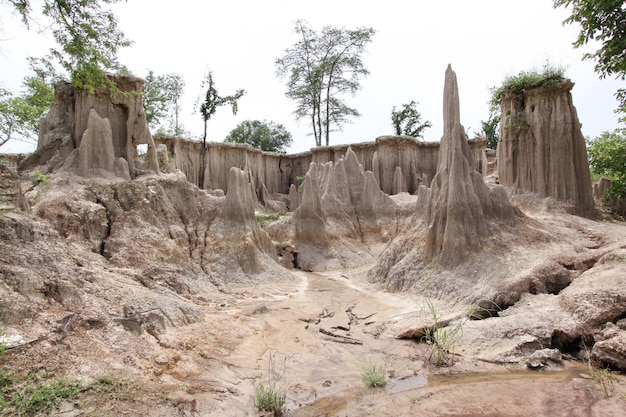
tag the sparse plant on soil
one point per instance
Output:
(41, 178)
(606, 378)
(270, 395)
(443, 336)
(267, 219)
(373, 375)
(30, 395)
(300, 180)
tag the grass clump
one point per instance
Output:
(606, 379)
(443, 335)
(30, 396)
(267, 219)
(270, 395)
(41, 178)
(269, 398)
(373, 375)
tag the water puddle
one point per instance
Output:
(331, 405)
(406, 384)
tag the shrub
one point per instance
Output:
(525, 80)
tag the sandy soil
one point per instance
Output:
(322, 374)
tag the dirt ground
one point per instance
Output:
(313, 335)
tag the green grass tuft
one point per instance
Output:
(373, 375)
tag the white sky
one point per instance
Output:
(238, 40)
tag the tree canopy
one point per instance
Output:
(407, 121)
(320, 68)
(20, 115)
(211, 100)
(267, 136)
(604, 22)
(161, 101)
(490, 130)
(607, 158)
(88, 39)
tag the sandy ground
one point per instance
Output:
(322, 374)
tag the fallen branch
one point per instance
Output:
(340, 339)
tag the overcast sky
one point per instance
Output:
(484, 40)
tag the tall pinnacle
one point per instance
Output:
(451, 106)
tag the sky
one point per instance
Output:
(239, 40)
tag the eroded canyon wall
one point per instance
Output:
(388, 157)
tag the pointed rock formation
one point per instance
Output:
(96, 156)
(342, 212)
(454, 215)
(542, 149)
(237, 244)
(456, 210)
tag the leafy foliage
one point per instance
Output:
(267, 136)
(489, 130)
(407, 121)
(19, 116)
(603, 23)
(321, 67)
(161, 100)
(525, 80)
(607, 158)
(212, 100)
(88, 39)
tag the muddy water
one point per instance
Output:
(349, 399)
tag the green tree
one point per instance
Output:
(88, 38)
(407, 120)
(20, 115)
(603, 22)
(161, 100)
(320, 68)
(607, 158)
(211, 100)
(490, 130)
(267, 136)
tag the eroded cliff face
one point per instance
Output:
(542, 149)
(95, 134)
(399, 163)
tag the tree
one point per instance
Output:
(161, 99)
(19, 116)
(407, 121)
(212, 100)
(267, 136)
(320, 67)
(602, 21)
(88, 39)
(607, 158)
(490, 130)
